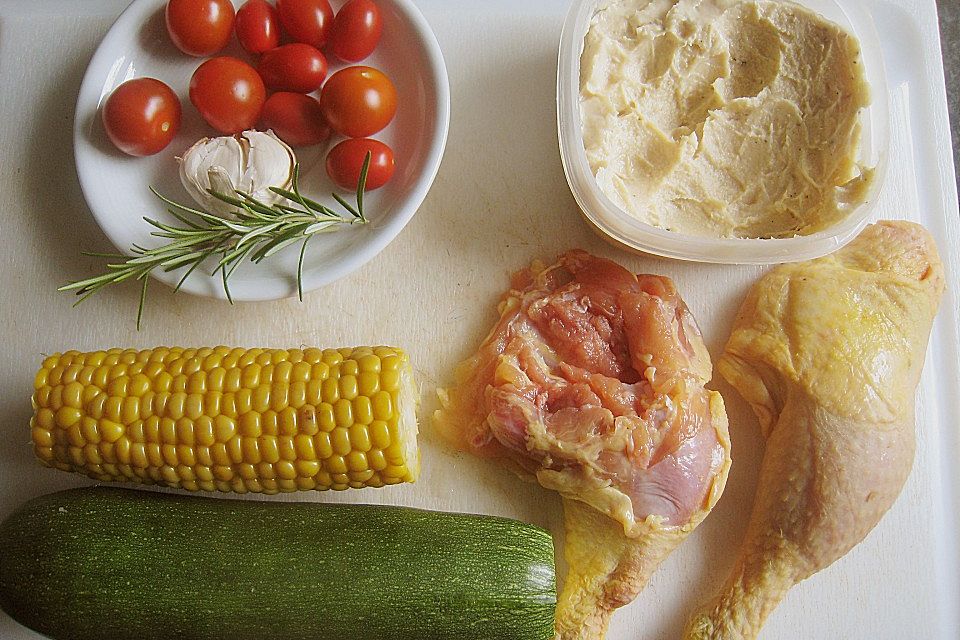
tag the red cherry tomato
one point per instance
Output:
(228, 93)
(200, 27)
(293, 67)
(356, 30)
(141, 116)
(358, 101)
(258, 26)
(295, 118)
(306, 21)
(345, 161)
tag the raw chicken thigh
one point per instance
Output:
(829, 354)
(592, 382)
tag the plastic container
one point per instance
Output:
(625, 230)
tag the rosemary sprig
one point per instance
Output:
(257, 232)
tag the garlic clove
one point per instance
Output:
(252, 162)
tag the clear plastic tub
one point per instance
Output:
(625, 230)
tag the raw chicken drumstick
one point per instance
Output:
(829, 354)
(592, 382)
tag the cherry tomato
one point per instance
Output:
(200, 27)
(345, 161)
(257, 26)
(228, 93)
(356, 30)
(141, 116)
(358, 101)
(293, 67)
(295, 118)
(306, 21)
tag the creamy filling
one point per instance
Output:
(724, 118)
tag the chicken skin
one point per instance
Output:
(829, 354)
(592, 383)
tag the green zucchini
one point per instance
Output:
(115, 564)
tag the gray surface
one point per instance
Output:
(950, 41)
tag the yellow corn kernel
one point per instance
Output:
(343, 413)
(269, 423)
(321, 444)
(235, 450)
(138, 455)
(359, 477)
(340, 441)
(110, 431)
(265, 471)
(285, 470)
(287, 422)
(203, 431)
(169, 475)
(224, 428)
(307, 420)
(204, 456)
(121, 450)
(357, 461)
(155, 455)
(300, 372)
(186, 454)
(194, 405)
(250, 448)
(177, 405)
(286, 448)
(130, 410)
(359, 438)
(233, 380)
(229, 419)
(307, 468)
(169, 454)
(279, 395)
(260, 399)
(147, 408)
(45, 419)
(327, 421)
(379, 434)
(286, 484)
(382, 404)
(222, 473)
(41, 437)
(362, 410)
(220, 455)
(243, 401)
(376, 460)
(335, 464)
(330, 390)
(249, 425)
(303, 444)
(269, 449)
(250, 376)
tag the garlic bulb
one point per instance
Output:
(252, 162)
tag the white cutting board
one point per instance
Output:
(499, 201)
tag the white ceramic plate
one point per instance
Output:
(116, 186)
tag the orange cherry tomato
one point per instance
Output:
(228, 93)
(345, 161)
(358, 101)
(200, 27)
(141, 116)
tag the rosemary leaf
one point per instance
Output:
(257, 232)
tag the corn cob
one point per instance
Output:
(259, 420)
